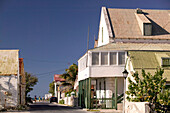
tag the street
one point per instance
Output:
(46, 107)
(53, 108)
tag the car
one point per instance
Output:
(53, 99)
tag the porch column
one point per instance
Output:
(55, 88)
(116, 93)
(80, 93)
(89, 92)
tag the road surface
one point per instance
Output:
(46, 107)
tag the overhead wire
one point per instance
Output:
(40, 74)
(39, 60)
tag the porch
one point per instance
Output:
(101, 93)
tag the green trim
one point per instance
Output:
(116, 93)
(89, 92)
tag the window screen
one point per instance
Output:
(104, 58)
(95, 58)
(113, 58)
(121, 58)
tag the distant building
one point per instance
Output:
(58, 87)
(48, 96)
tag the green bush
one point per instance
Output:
(61, 101)
(69, 93)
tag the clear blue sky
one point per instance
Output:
(52, 34)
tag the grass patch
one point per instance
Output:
(93, 110)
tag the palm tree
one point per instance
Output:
(70, 75)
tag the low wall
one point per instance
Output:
(137, 107)
(71, 101)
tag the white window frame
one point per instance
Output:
(109, 64)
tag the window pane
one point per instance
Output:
(112, 58)
(104, 58)
(95, 58)
(122, 58)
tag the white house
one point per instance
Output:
(9, 78)
(122, 33)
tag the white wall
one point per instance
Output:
(106, 71)
(83, 74)
(82, 63)
(103, 25)
(8, 84)
(137, 107)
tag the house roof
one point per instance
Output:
(149, 61)
(132, 46)
(57, 78)
(125, 23)
(9, 62)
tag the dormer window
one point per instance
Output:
(165, 62)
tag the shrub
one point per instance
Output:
(61, 101)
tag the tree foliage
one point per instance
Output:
(149, 89)
(51, 88)
(31, 81)
(70, 75)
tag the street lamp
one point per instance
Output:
(125, 74)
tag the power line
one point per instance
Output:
(40, 74)
(39, 60)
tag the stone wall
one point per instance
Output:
(8, 91)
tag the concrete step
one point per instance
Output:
(120, 106)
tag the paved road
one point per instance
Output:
(46, 107)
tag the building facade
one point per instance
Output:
(123, 33)
(9, 78)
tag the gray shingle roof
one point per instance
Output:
(125, 24)
(133, 46)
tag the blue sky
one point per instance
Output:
(52, 34)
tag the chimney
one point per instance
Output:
(95, 43)
(138, 11)
(144, 23)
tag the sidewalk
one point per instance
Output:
(103, 111)
(110, 111)
(96, 110)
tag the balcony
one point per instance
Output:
(102, 64)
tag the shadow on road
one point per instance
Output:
(48, 106)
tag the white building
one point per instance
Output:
(120, 32)
(9, 78)
(48, 96)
